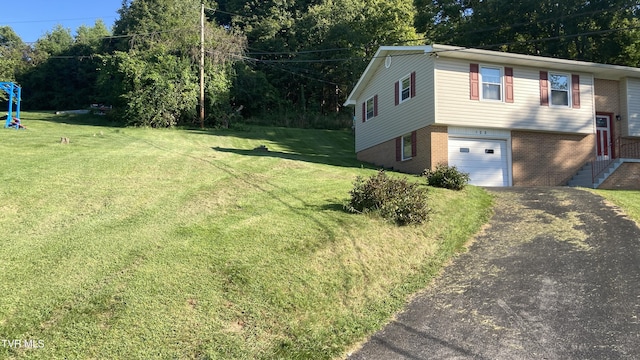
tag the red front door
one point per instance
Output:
(603, 137)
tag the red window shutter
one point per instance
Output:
(364, 111)
(397, 92)
(508, 84)
(375, 105)
(544, 88)
(413, 84)
(575, 91)
(474, 82)
(414, 143)
(399, 149)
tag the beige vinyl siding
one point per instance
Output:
(632, 99)
(393, 121)
(454, 107)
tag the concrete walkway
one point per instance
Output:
(555, 275)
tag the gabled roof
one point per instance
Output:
(600, 71)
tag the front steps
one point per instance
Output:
(584, 176)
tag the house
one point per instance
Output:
(506, 119)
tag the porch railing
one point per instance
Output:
(629, 149)
(621, 148)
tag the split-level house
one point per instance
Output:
(506, 119)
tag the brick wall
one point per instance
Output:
(440, 145)
(432, 143)
(544, 159)
(626, 177)
(607, 95)
(607, 100)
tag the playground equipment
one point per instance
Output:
(14, 92)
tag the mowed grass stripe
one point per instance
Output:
(189, 244)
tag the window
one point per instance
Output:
(405, 88)
(407, 147)
(559, 87)
(491, 83)
(370, 108)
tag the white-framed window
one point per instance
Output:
(491, 78)
(559, 89)
(407, 146)
(371, 107)
(405, 88)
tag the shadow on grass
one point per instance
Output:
(317, 158)
(334, 207)
(73, 119)
(330, 147)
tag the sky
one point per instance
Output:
(31, 19)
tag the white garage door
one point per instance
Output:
(484, 160)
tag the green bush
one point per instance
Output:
(448, 177)
(394, 199)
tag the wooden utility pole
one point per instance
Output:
(202, 66)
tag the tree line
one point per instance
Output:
(286, 62)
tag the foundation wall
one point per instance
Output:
(431, 147)
(544, 159)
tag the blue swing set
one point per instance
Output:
(15, 93)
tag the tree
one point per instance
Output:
(63, 70)
(356, 29)
(12, 51)
(440, 20)
(152, 73)
(603, 31)
(313, 51)
(94, 37)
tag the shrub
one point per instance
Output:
(448, 177)
(394, 199)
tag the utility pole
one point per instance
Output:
(202, 66)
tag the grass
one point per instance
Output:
(629, 200)
(140, 243)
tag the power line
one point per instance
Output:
(296, 53)
(608, 31)
(276, 66)
(261, 52)
(319, 61)
(124, 36)
(225, 12)
(57, 20)
(542, 21)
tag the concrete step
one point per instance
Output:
(607, 172)
(583, 177)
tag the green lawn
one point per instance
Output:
(629, 200)
(140, 243)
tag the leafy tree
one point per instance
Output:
(12, 51)
(440, 20)
(152, 74)
(63, 70)
(253, 92)
(313, 51)
(93, 37)
(600, 31)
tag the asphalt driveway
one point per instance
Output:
(555, 275)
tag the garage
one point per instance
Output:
(485, 160)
